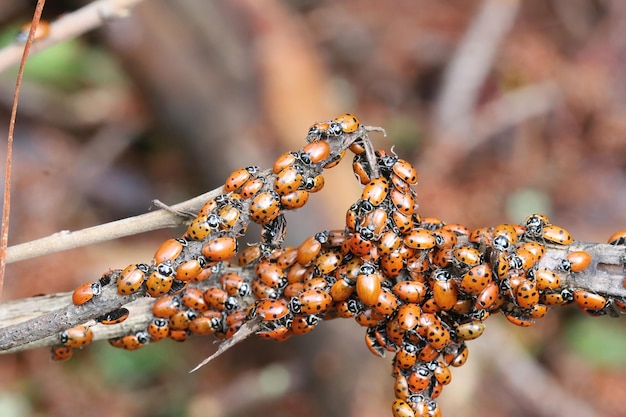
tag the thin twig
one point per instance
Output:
(61, 241)
(71, 26)
(6, 207)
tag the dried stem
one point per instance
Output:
(70, 26)
(56, 312)
(155, 220)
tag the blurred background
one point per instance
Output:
(506, 108)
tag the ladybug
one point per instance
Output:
(249, 255)
(313, 301)
(442, 373)
(114, 317)
(236, 179)
(404, 202)
(578, 261)
(287, 181)
(618, 238)
(76, 337)
(420, 239)
(430, 306)
(271, 274)
(178, 335)
(406, 356)
(61, 353)
(262, 291)
(535, 224)
(589, 301)
(86, 292)
(504, 237)
(229, 215)
(219, 299)
(392, 264)
(408, 316)
(535, 248)
(470, 331)
(265, 207)
(303, 324)
(194, 298)
(445, 239)
(207, 208)
(311, 247)
(403, 223)
(158, 329)
(522, 260)
(202, 226)
(480, 236)
(294, 200)
(361, 169)
(556, 234)
(410, 291)
(348, 123)
(169, 250)
(387, 302)
(456, 356)
(315, 184)
(189, 270)
(546, 280)
(419, 379)
(234, 284)
(368, 284)
(131, 279)
(487, 297)
(376, 191)
(318, 130)
(327, 262)
(317, 151)
(166, 307)
(41, 32)
(131, 341)
(400, 408)
(375, 221)
(182, 319)
(401, 387)
(405, 171)
(252, 187)
(538, 311)
(158, 284)
(208, 322)
(519, 320)
(437, 336)
(220, 249)
(467, 256)
(334, 160)
(269, 310)
(476, 279)
(445, 292)
(286, 160)
(456, 228)
(234, 321)
(369, 318)
(347, 309)
(276, 332)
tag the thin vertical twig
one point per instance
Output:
(6, 207)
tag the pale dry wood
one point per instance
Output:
(55, 312)
(71, 26)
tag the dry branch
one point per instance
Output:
(34, 322)
(71, 26)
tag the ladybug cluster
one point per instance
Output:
(421, 288)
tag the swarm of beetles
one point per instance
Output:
(420, 287)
